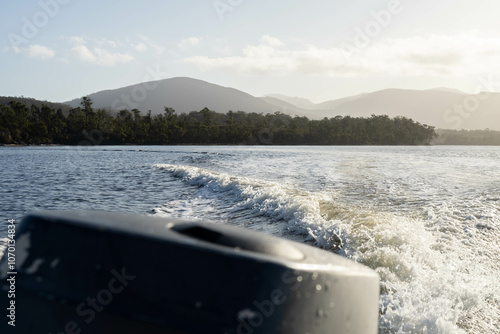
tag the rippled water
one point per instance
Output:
(427, 219)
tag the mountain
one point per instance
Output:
(288, 108)
(183, 95)
(331, 105)
(445, 89)
(296, 101)
(440, 107)
(447, 109)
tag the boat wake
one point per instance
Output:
(427, 285)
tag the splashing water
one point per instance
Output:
(431, 282)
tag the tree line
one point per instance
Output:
(468, 137)
(20, 124)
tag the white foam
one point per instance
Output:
(300, 210)
(430, 282)
(3, 245)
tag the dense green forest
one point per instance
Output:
(20, 124)
(6, 100)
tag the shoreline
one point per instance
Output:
(269, 145)
(22, 145)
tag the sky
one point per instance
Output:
(58, 50)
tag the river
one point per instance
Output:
(426, 218)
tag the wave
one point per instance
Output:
(299, 210)
(426, 285)
(3, 245)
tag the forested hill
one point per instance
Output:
(22, 124)
(28, 101)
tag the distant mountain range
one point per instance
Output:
(181, 94)
(440, 107)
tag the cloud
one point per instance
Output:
(35, 51)
(94, 51)
(437, 58)
(432, 55)
(77, 40)
(100, 56)
(108, 58)
(189, 43)
(271, 41)
(107, 42)
(106, 52)
(40, 52)
(84, 54)
(140, 47)
(158, 50)
(272, 57)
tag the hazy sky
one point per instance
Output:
(58, 50)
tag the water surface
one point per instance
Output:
(427, 219)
